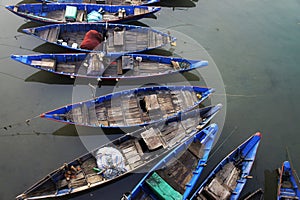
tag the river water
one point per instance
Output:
(253, 47)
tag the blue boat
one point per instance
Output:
(129, 108)
(108, 2)
(107, 67)
(288, 187)
(59, 13)
(100, 37)
(228, 178)
(176, 174)
(122, 156)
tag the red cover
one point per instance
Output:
(91, 39)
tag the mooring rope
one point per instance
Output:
(225, 140)
(27, 122)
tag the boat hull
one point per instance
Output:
(287, 184)
(153, 65)
(131, 108)
(53, 13)
(239, 163)
(117, 38)
(123, 2)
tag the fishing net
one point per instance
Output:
(111, 162)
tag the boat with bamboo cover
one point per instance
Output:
(129, 108)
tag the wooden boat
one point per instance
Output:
(109, 2)
(228, 178)
(175, 175)
(58, 13)
(121, 156)
(136, 107)
(95, 65)
(288, 183)
(116, 38)
(256, 195)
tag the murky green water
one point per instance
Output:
(255, 45)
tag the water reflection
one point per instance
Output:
(177, 3)
(50, 78)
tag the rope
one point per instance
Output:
(16, 36)
(19, 47)
(238, 95)
(27, 122)
(25, 134)
(213, 153)
(12, 76)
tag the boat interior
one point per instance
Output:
(137, 149)
(117, 39)
(80, 13)
(97, 66)
(132, 109)
(222, 184)
(172, 176)
(111, 2)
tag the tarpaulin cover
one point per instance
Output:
(94, 16)
(111, 161)
(162, 189)
(91, 40)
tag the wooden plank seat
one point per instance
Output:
(224, 182)
(152, 139)
(132, 152)
(119, 38)
(81, 16)
(53, 34)
(45, 63)
(151, 102)
(67, 68)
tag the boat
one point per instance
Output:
(288, 183)
(256, 195)
(108, 2)
(131, 108)
(98, 66)
(100, 37)
(122, 156)
(228, 178)
(176, 174)
(59, 13)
